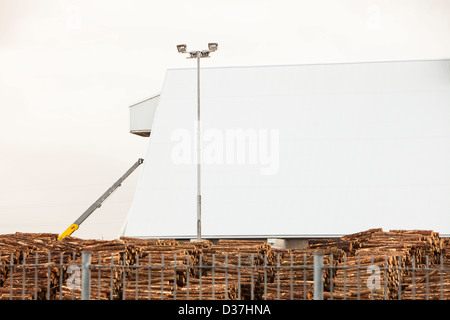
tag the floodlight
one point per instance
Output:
(181, 48)
(212, 46)
(205, 54)
(193, 54)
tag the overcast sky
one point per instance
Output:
(69, 70)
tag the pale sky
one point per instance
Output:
(69, 70)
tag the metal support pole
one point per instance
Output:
(85, 276)
(212, 47)
(199, 155)
(318, 276)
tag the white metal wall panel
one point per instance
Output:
(359, 146)
(142, 114)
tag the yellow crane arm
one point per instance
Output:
(97, 204)
(68, 231)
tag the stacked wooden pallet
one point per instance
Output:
(8, 253)
(183, 270)
(386, 256)
(365, 276)
(370, 256)
(293, 278)
(39, 266)
(294, 273)
(434, 284)
(129, 268)
(44, 263)
(421, 245)
(177, 268)
(159, 266)
(108, 260)
(248, 264)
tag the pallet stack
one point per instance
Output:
(45, 268)
(109, 260)
(168, 268)
(26, 280)
(389, 254)
(292, 280)
(429, 284)
(255, 260)
(8, 253)
(43, 262)
(356, 277)
(294, 273)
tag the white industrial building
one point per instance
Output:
(296, 151)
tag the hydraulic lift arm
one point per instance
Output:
(97, 204)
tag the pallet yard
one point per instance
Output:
(411, 264)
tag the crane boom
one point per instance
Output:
(97, 204)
